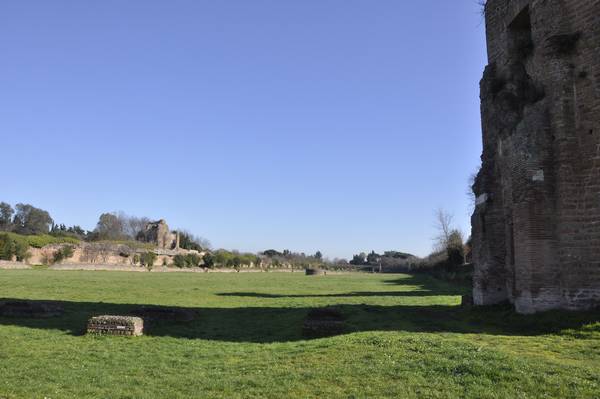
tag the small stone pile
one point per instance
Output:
(323, 322)
(115, 325)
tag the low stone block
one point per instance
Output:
(115, 325)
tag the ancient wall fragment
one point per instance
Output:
(536, 226)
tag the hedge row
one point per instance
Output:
(39, 241)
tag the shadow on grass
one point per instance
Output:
(425, 286)
(342, 295)
(284, 324)
(265, 324)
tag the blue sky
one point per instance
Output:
(332, 125)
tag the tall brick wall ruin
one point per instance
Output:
(536, 226)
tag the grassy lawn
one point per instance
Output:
(406, 338)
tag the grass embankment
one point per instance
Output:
(39, 241)
(407, 338)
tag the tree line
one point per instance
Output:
(26, 219)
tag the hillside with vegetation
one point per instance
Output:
(29, 234)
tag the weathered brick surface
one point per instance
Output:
(115, 325)
(536, 226)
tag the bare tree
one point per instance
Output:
(443, 224)
(133, 225)
(90, 253)
(105, 250)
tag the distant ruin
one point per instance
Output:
(158, 233)
(536, 226)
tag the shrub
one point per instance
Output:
(63, 253)
(148, 259)
(179, 261)
(136, 259)
(209, 260)
(189, 260)
(40, 241)
(234, 259)
(13, 245)
(193, 260)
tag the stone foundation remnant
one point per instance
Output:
(158, 233)
(323, 322)
(115, 325)
(536, 224)
(29, 309)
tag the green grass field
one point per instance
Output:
(406, 338)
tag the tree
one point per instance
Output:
(6, 214)
(449, 239)
(443, 224)
(359, 259)
(271, 253)
(189, 241)
(148, 259)
(77, 230)
(13, 247)
(31, 220)
(133, 225)
(209, 260)
(455, 248)
(373, 258)
(109, 227)
(318, 255)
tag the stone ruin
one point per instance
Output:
(536, 226)
(116, 325)
(159, 234)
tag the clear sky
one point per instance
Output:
(332, 125)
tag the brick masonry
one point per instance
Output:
(116, 325)
(536, 225)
